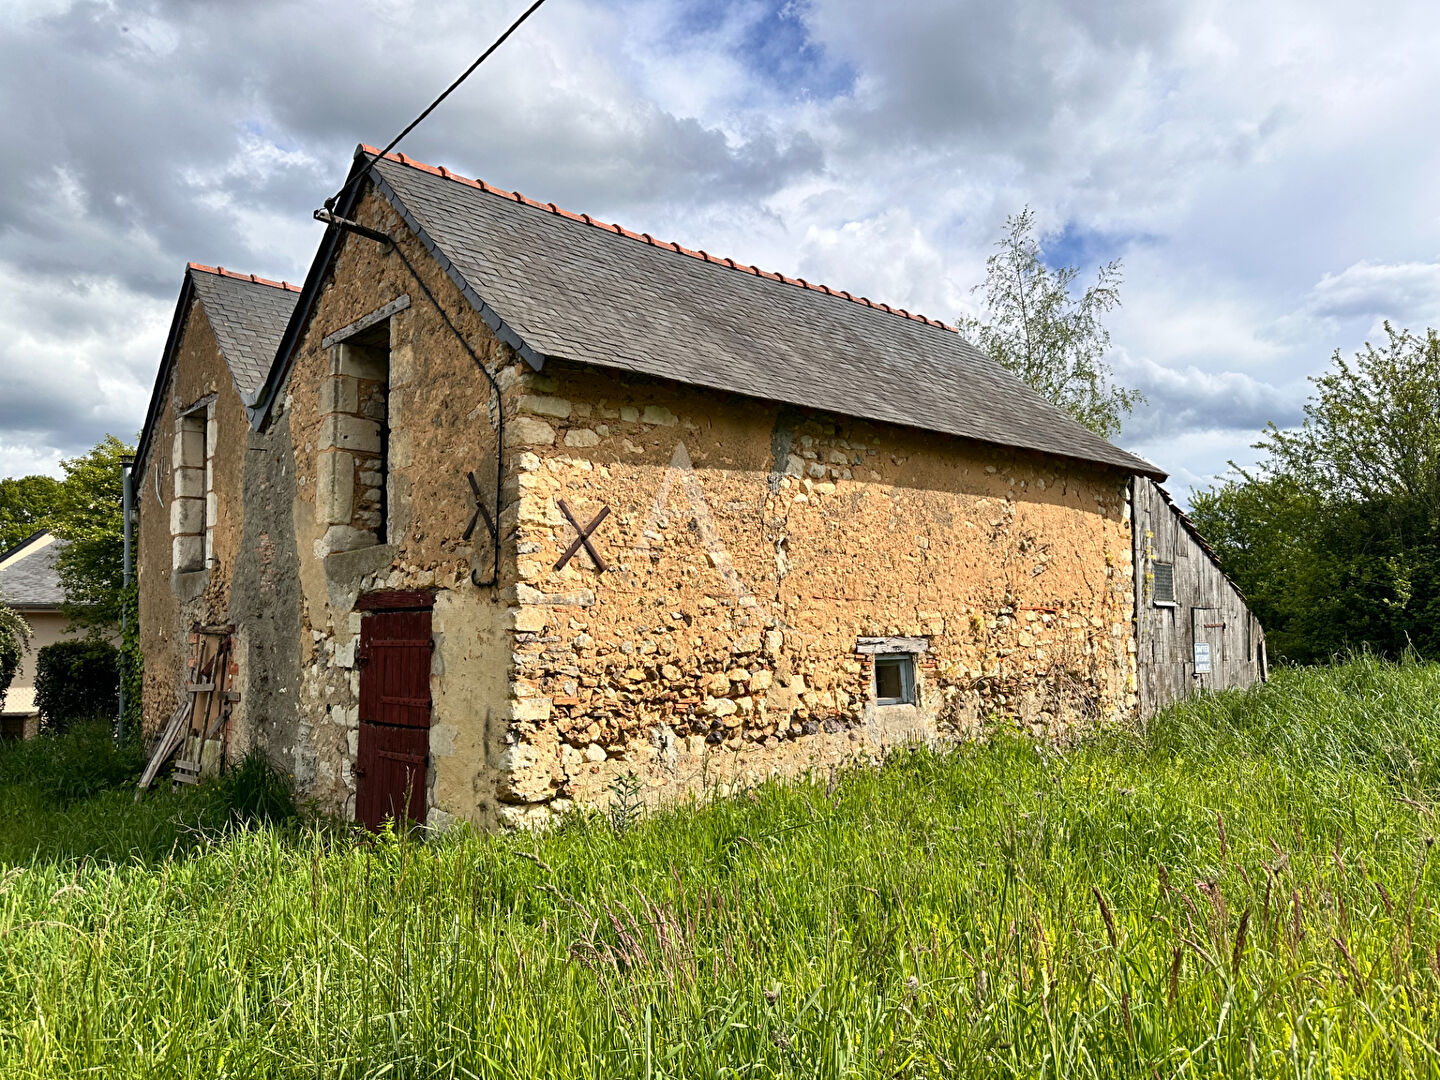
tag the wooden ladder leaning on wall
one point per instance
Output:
(203, 713)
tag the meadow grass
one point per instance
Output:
(1248, 888)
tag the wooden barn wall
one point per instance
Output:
(1206, 605)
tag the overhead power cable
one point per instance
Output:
(335, 199)
(332, 219)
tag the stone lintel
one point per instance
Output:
(874, 645)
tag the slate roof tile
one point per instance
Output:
(30, 579)
(248, 315)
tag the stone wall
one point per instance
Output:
(190, 511)
(440, 415)
(750, 547)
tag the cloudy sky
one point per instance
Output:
(1266, 171)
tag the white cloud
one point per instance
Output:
(1264, 170)
(1404, 292)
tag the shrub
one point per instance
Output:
(76, 681)
(14, 642)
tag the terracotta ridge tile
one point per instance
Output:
(220, 271)
(644, 238)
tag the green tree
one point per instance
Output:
(14, 644)
(1033, 324)
(1258, 525)
(27, 504)
(1336, 538)
(90, 518)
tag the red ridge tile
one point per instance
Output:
(220, 271)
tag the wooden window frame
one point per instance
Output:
(905, 663)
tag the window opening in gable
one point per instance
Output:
(192, 504)
(353, 493)
(1163, 583)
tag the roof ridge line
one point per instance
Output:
(220, 271)
(643, 238)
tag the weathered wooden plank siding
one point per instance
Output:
(1206, 605)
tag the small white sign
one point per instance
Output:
(1202, 658)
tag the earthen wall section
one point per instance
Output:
(749, 547)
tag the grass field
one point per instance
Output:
(1250, 889)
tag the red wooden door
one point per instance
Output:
(393, 754)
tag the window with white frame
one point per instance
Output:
(892, 665)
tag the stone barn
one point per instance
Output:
(534, 505)
(573, 504)
(188, 480)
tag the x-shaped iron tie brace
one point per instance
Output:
(583, 540)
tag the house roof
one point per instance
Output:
(247, 314)
(559, 285)
(29, 577)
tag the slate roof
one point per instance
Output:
(28, 575)
(553, 284)
(248, 315)
(573, 288)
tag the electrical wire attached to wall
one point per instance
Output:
(331, 218)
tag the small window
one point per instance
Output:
(895, 679)
(1163, 591)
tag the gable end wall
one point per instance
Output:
(169, 602)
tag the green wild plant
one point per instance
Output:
(1249, 887)
(627, 801)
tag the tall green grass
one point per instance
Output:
(1248, 889)
(72, 796)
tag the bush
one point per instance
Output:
(14, 642)
(76, 681)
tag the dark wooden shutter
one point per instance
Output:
(395, 671)
(394, 740)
